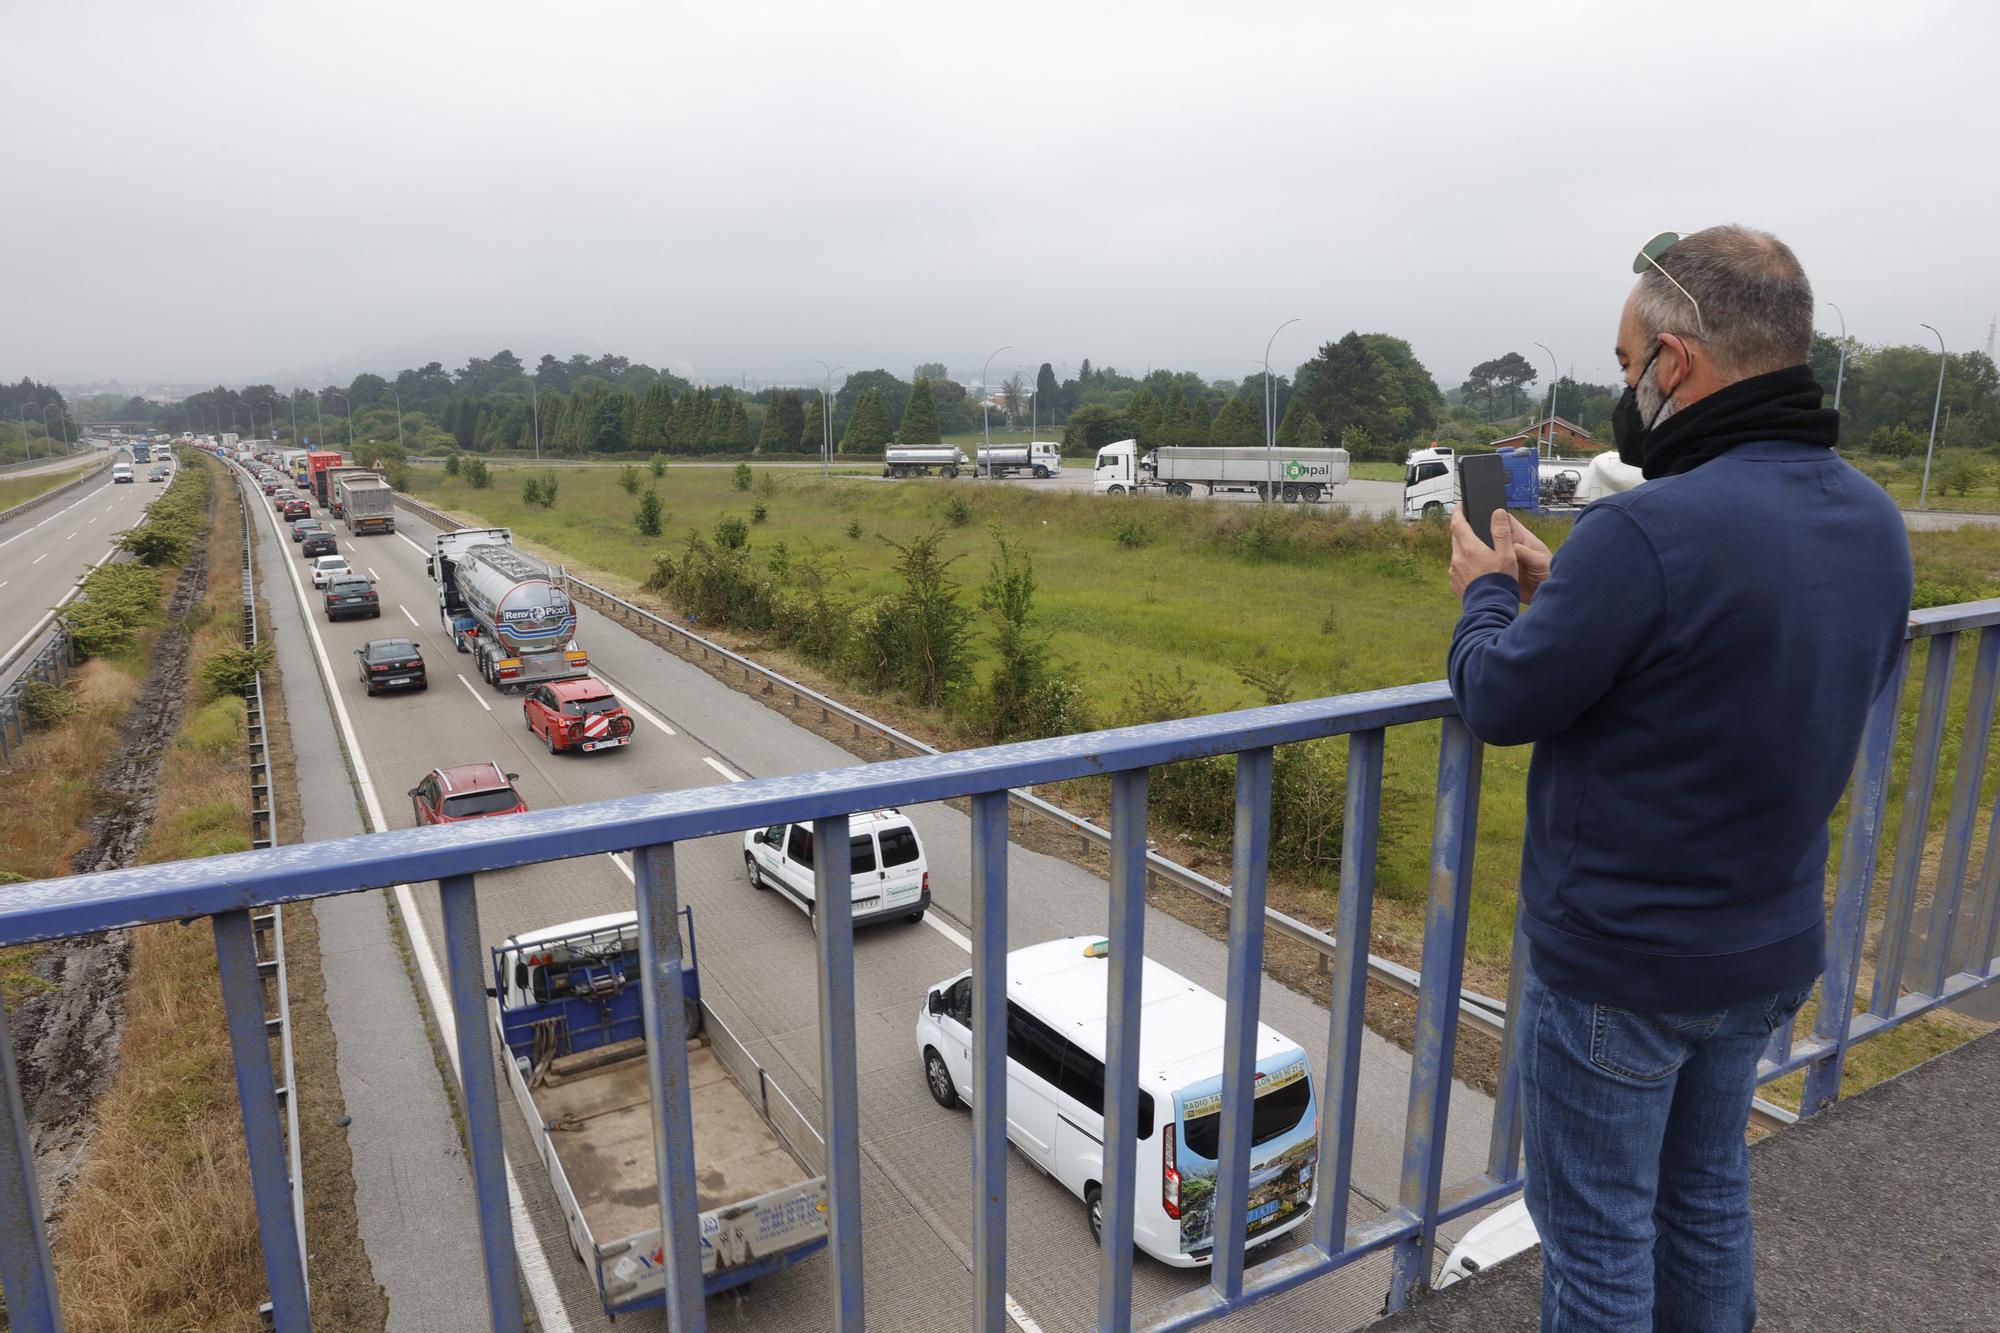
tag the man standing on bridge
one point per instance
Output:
(1694, 673)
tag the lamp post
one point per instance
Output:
(826, 416)
(1271, 419)
(319, 411)
(1034, 422)
(1550, 450)
(985, 411)
(349, 406)
(292, 402)
(27, 448)
(399, 416)
(1841, 373)
(535, 407)
(60, 420)
(1923, 495)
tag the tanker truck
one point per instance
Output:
(1042, 459)
(920, 460)
(509, 610)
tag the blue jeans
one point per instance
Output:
(1638, 1176)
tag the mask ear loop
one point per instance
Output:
(1645, 259)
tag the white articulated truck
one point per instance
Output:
(1541, 485)
(1042, 459)
(507, 609)
(365, 502)
(1307, 475)
(920, 460)
(572, 1022)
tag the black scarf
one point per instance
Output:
(1783, 405)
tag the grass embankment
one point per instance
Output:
(1206, 604)
(160, 1231)
(20, 490)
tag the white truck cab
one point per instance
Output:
(888, 875)
(1056, 1025)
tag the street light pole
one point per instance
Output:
(535, 407)
(1271, 419)
(399, 414)
(1840, 374)
(27, 447)
(1550, 450)
(1923, 495)
(319, 411)
(347, 404)
(826, 417)
(985, 411)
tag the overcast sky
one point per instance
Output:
(247, 192)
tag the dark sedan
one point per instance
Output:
(351, 597)
(317, 544)
(391, 664)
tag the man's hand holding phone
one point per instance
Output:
(1516, 552)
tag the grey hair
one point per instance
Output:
(1756, 305)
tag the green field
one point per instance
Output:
(1147, 589)
(20, 490)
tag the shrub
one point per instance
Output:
(854, 531)
(478, 475)
(1026, 695)
(217, 727)
(919, 639)
(741, 478)
(651, 511)
(767, 484)
(531, 491)
(451, 465)
(780, 560)
(156, 544)
(234, 670)
(958, 511)
(759, 512)
(657, 465)
(732, 534)
(45, 703)
(118, 601)
(628, 479)
(1131, 534)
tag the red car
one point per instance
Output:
(469, 791)
(294, 508)
(581, 714)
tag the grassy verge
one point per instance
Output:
(20, 490)
(159, 1232)
(1223, 604)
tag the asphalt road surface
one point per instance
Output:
(758, 971)
(46, 550)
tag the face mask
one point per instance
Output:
(1628, 428)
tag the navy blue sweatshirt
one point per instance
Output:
(1695, 675)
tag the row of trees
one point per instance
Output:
(34, 420)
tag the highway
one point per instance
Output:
(46, 550)
(57, 463)
(757, 962)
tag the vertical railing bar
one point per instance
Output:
(1927, 743)
(1957, 851)
(1348, 1001)
(663, 1002)
(833, 917)
(465, 960)
(263, 1135)
(27, 1274)
(1251, 864)
(1503, 1147)
(1453, 843)
(989, 1061)
(1860, 854)
(1123, 987)
(1986, 923)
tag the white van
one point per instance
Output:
(1055, 1094)
(121, 473)
(888, 874)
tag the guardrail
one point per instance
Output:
(51, 660)
(268, 926)
(37, 501)
(1484, 1013)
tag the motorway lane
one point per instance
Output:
(55, 464)
(757, 961)
(45, 551)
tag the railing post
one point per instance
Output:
(664, 1002)
(1957, 851)
(27, 1275)
(1503, 1146)
(1348, 1002)
(1453, 842)
(1860, 852)
(270, 1178)
(1251, 858)
(465, 962)
(1926, 742)
(1123, 987)
(989, 1061)
(833, 916)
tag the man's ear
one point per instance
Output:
(1674, 366)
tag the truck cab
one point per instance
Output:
(1117, 471)
(1430, 482)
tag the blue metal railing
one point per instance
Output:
(1957, 957)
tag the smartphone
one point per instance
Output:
(1482, 488)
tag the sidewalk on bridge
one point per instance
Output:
(1877, 1213)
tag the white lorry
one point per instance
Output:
(507, 609)
(1041, 459)
(920, 460)
(1307, 475)
(571, 1019)
(1562, 485)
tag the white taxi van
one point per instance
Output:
(1055, 1094)
(888, 875)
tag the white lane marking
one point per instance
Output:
(727, 776)
(71, 537)
(50, 614)
(92, 519)
(373, 575)
(625, 697)
(474, 693)
(541, 1284)
(416, 546)
(38, 559)
(930, 919)
(4, 582)
(407, 616)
